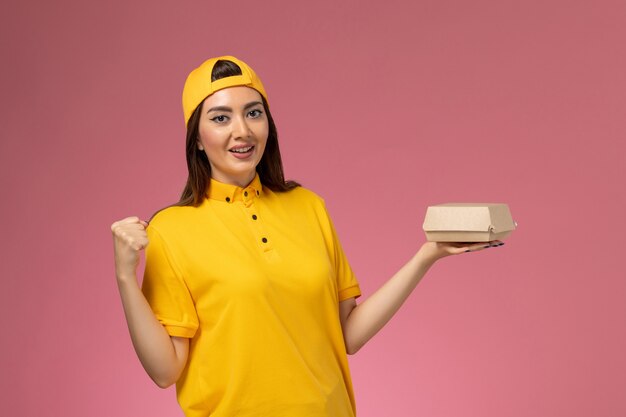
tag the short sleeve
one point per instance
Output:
(347, 284)
(165, 289)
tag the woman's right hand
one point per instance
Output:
(163, 356)
(129, 238)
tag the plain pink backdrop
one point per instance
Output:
(383, 108)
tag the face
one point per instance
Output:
(233, 132)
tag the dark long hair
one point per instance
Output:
(270, 168)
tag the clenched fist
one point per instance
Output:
(129, 238)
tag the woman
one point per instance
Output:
(248, 302)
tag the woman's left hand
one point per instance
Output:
(433, 251)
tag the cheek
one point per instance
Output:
(263, 144)
(263, 132)
(208, 138)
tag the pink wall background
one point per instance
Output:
(383, 108)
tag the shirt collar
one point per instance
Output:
(230, 193)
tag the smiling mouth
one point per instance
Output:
(242, 150)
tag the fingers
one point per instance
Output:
(137, 243)
(457, 251)
(131, 233)
(483, 245)
(130, 220)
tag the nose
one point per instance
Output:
(240, 127)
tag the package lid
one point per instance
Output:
(468, 217)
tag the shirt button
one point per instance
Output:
(264, 240)
(245, 193)
(254, 217)
(228, 199)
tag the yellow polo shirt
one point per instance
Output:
(254, 278)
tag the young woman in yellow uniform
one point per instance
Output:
(248, 303)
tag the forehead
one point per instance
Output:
(233, 97)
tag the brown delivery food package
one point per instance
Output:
(468, 222)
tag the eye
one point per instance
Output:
(219, 119)
(255, 113)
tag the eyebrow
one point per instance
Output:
(228, 109)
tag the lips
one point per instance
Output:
(241, 149)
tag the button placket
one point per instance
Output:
(251, 205)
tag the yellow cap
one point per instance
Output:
(199, 85)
